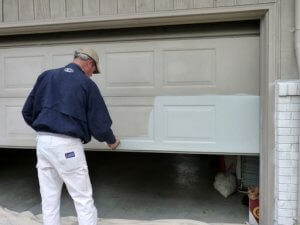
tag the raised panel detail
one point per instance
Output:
(21, 72)
(129, 69)
(189, 67)
(15, 125)
(208, 123)
(190, 123)
(61, 60)
(132, 121)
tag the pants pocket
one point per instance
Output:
(71, 159)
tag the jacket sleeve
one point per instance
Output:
(99, 120)
(28, 108)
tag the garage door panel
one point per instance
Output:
(240, 119)
(15, 68)
(129, 69)
(163, 94)
(132, 121)
(234, 62)
(13, 130)
(238, 67)
(19, 70)
(147, 68)
(189, 123)
(210, 124)
(14, 123)
(218, 123)
(189, 67)
(207, 124)
(60, 60)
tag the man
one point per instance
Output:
(66, 108)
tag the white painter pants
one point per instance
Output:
(61, 159)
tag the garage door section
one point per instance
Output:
(187, 95)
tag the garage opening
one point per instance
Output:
(189, 92)
(138, 187)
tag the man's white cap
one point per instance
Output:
(92, 54)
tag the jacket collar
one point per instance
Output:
(74, 66)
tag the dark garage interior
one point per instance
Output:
(135, 186)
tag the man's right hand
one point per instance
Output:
(114, 145)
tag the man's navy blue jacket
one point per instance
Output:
(66, 101)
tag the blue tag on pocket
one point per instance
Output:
(69, 155)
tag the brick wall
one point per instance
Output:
(287, 151)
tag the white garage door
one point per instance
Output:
(187, 95)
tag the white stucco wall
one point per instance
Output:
(287, 152)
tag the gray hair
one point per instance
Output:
(81, 56)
